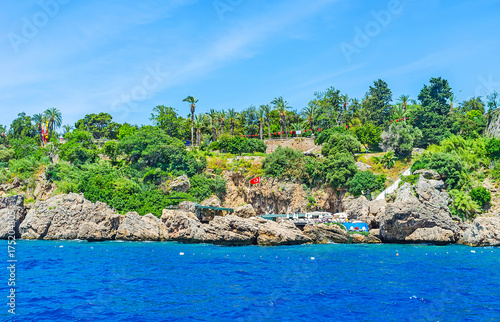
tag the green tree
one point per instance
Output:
(364, 181)
(192, 104)
(281, 106)
(267, 114)
(79, 148)
(284, 163)
(433, 118)
(21, 128)
(339, 169)
(481, 196)
(493, 101)
(100, 125)
(126, 130)
(3, 134)
(232, 116)
(54, 117)
(493, 148)
(340, 143)
(378, 102)
(368, 134)
(167, 119)
(150, 147)
(473, 104)
(401, 138)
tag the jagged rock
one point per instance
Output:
(375, 232)
(136, 227)
(363, 239)
(231, 230)
(285, 233)
(402, 219)
(105, 230)
(358, 208)
(12, 213)
(188, 206)
(435, 235)
(213, 201)
(323, 234)
(484, 231)
(180, 184)
(377, 207)
(363, 166)
(183, 226)
(405, 194)
(436, 184)
(428, 174)
(245, 211)
(427, 192)
(62, 217)
(493, 127)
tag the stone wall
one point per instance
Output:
(300, 144)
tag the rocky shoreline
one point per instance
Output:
(419, 214)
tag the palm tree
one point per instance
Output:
(345, 102)
(309, 112)
(213, 118)
(398, 111)
(54, 117)
(192, 101)
(39, 119)
(267, 112)
(232, 115)
(199, 122)
(261, 114)
(404, 99)
(2, 133)
(453, 100)
(67, 129)
(281, 106)
(222, 120)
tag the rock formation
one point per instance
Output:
(245, 211)
(69, 217)
(12, 213)
(484, 231)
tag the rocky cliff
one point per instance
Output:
(493, 127)
(272, 196)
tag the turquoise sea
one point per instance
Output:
(146, 281)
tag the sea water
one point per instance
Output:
(148, 281)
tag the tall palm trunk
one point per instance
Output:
(198, 137)
(287, 126)
(214, 134)
(221, 127)
(261, 129)
(232, 128)
(281, 127)
(192, 123)
(269, 128)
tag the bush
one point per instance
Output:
(325, 135)
(481, 196)
(284, 163)
(339, 169)
(364, 181)
(446, 164)
(401, 137)
(341, 143)
(6, 154)
(203, 187)
(411, 179)
(238, 144)
(493, 148)
(463, 205)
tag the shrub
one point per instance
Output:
(387, 160)
(493, 148)
(284, 163)
(401, 137)
(364, 181)
(203, 187)
(339, 169)
(6, 154)
(449, 165)
(411, 179)
(463, 205)
(341, 143)
(481, 196)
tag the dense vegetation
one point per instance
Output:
(130, 167)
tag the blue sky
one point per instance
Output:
(125, 57)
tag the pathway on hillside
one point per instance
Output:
(393, 187)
